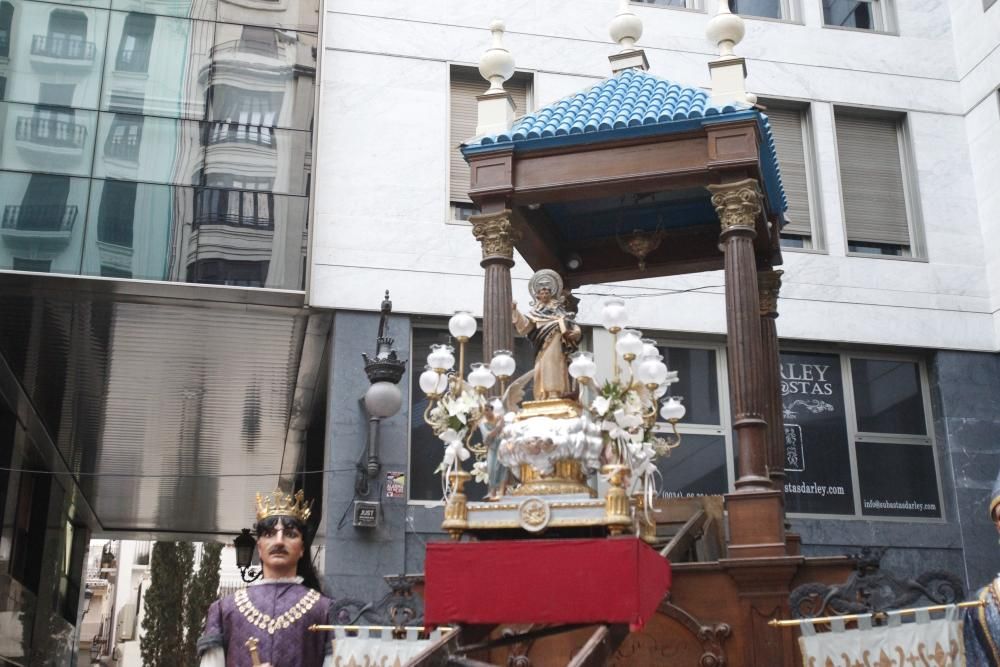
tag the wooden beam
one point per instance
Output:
(601, 646)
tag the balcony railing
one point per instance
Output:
(271, 49)
(39, 217)
(56, 132)
(249, 209)
(61, 47)
(221, 132)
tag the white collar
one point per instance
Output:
(281, 580)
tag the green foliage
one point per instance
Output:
(176, 602)
(201, 593)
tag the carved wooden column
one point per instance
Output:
(497, 237)
(768, 285)
(756, 518)
(738, 206)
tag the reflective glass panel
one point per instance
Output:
(697, 382)
(157, 65)
(149, 148)
(887, 396)
(289, 14)
(765, 8)
(56, 50)
(255, 157)
(42, 217)
(696, 468)
(47, 138)
(262, 77)
(849, 13)
(195, 9)
(897, 480)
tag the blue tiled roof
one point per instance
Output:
(628, 103)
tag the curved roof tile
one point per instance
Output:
(631, 99)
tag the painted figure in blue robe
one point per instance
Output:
(982, 624)
(278, 609)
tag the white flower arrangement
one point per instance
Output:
(451, 420)
(626, 414)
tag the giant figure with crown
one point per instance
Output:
(267, 623)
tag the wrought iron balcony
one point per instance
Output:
(51, 131)
(122, 148)
(221, 132)
(248, 209)
(39, 217)
(63, 48)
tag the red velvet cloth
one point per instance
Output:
(613, 580)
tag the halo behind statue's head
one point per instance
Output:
(546, 278)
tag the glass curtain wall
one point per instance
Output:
(157, 139)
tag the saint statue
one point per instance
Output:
(267, 623)
(553, 332)
(981, 625)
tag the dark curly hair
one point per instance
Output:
(305, 567)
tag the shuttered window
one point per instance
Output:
(871, 178)
(466, 85)
(786, 128)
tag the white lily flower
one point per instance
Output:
(600, 405)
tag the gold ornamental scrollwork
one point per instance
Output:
(495, 234)
(768, 287)
(738, 204)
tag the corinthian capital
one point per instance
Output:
(768, 286)
(496, 234)
(737, 204)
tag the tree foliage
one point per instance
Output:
(176, 602)
(201, 593)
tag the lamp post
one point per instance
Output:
(383, 398)
(245, 545)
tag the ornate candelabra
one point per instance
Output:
(548, 450)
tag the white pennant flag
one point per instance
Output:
(896, 644)
(367, 649)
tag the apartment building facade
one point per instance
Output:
(885, 120)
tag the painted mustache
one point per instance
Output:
(277, 549)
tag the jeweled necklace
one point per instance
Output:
(264, 621)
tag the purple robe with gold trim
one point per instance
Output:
(295, 646)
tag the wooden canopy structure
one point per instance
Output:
(638, 177)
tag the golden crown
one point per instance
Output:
(278, 503)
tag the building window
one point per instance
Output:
(698, 467)
(228, 272)
(6, 20)
(36, 265)
(66, 38)
(682, 4)
(771, 9)
(466, 84)
(877, 198)
(116, 213)
(43, 207)
(124, 137)
(259, 40)
(858, 14)
(136, 43)
(241, 115)
(837, 409)
(790, 129)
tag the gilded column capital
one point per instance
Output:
(768, 286)
(738, 204)
(496, 235)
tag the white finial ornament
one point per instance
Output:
(726, 30)
(497, 64)
(626, 27)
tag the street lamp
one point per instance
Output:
(383, 398)
(245, 545)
